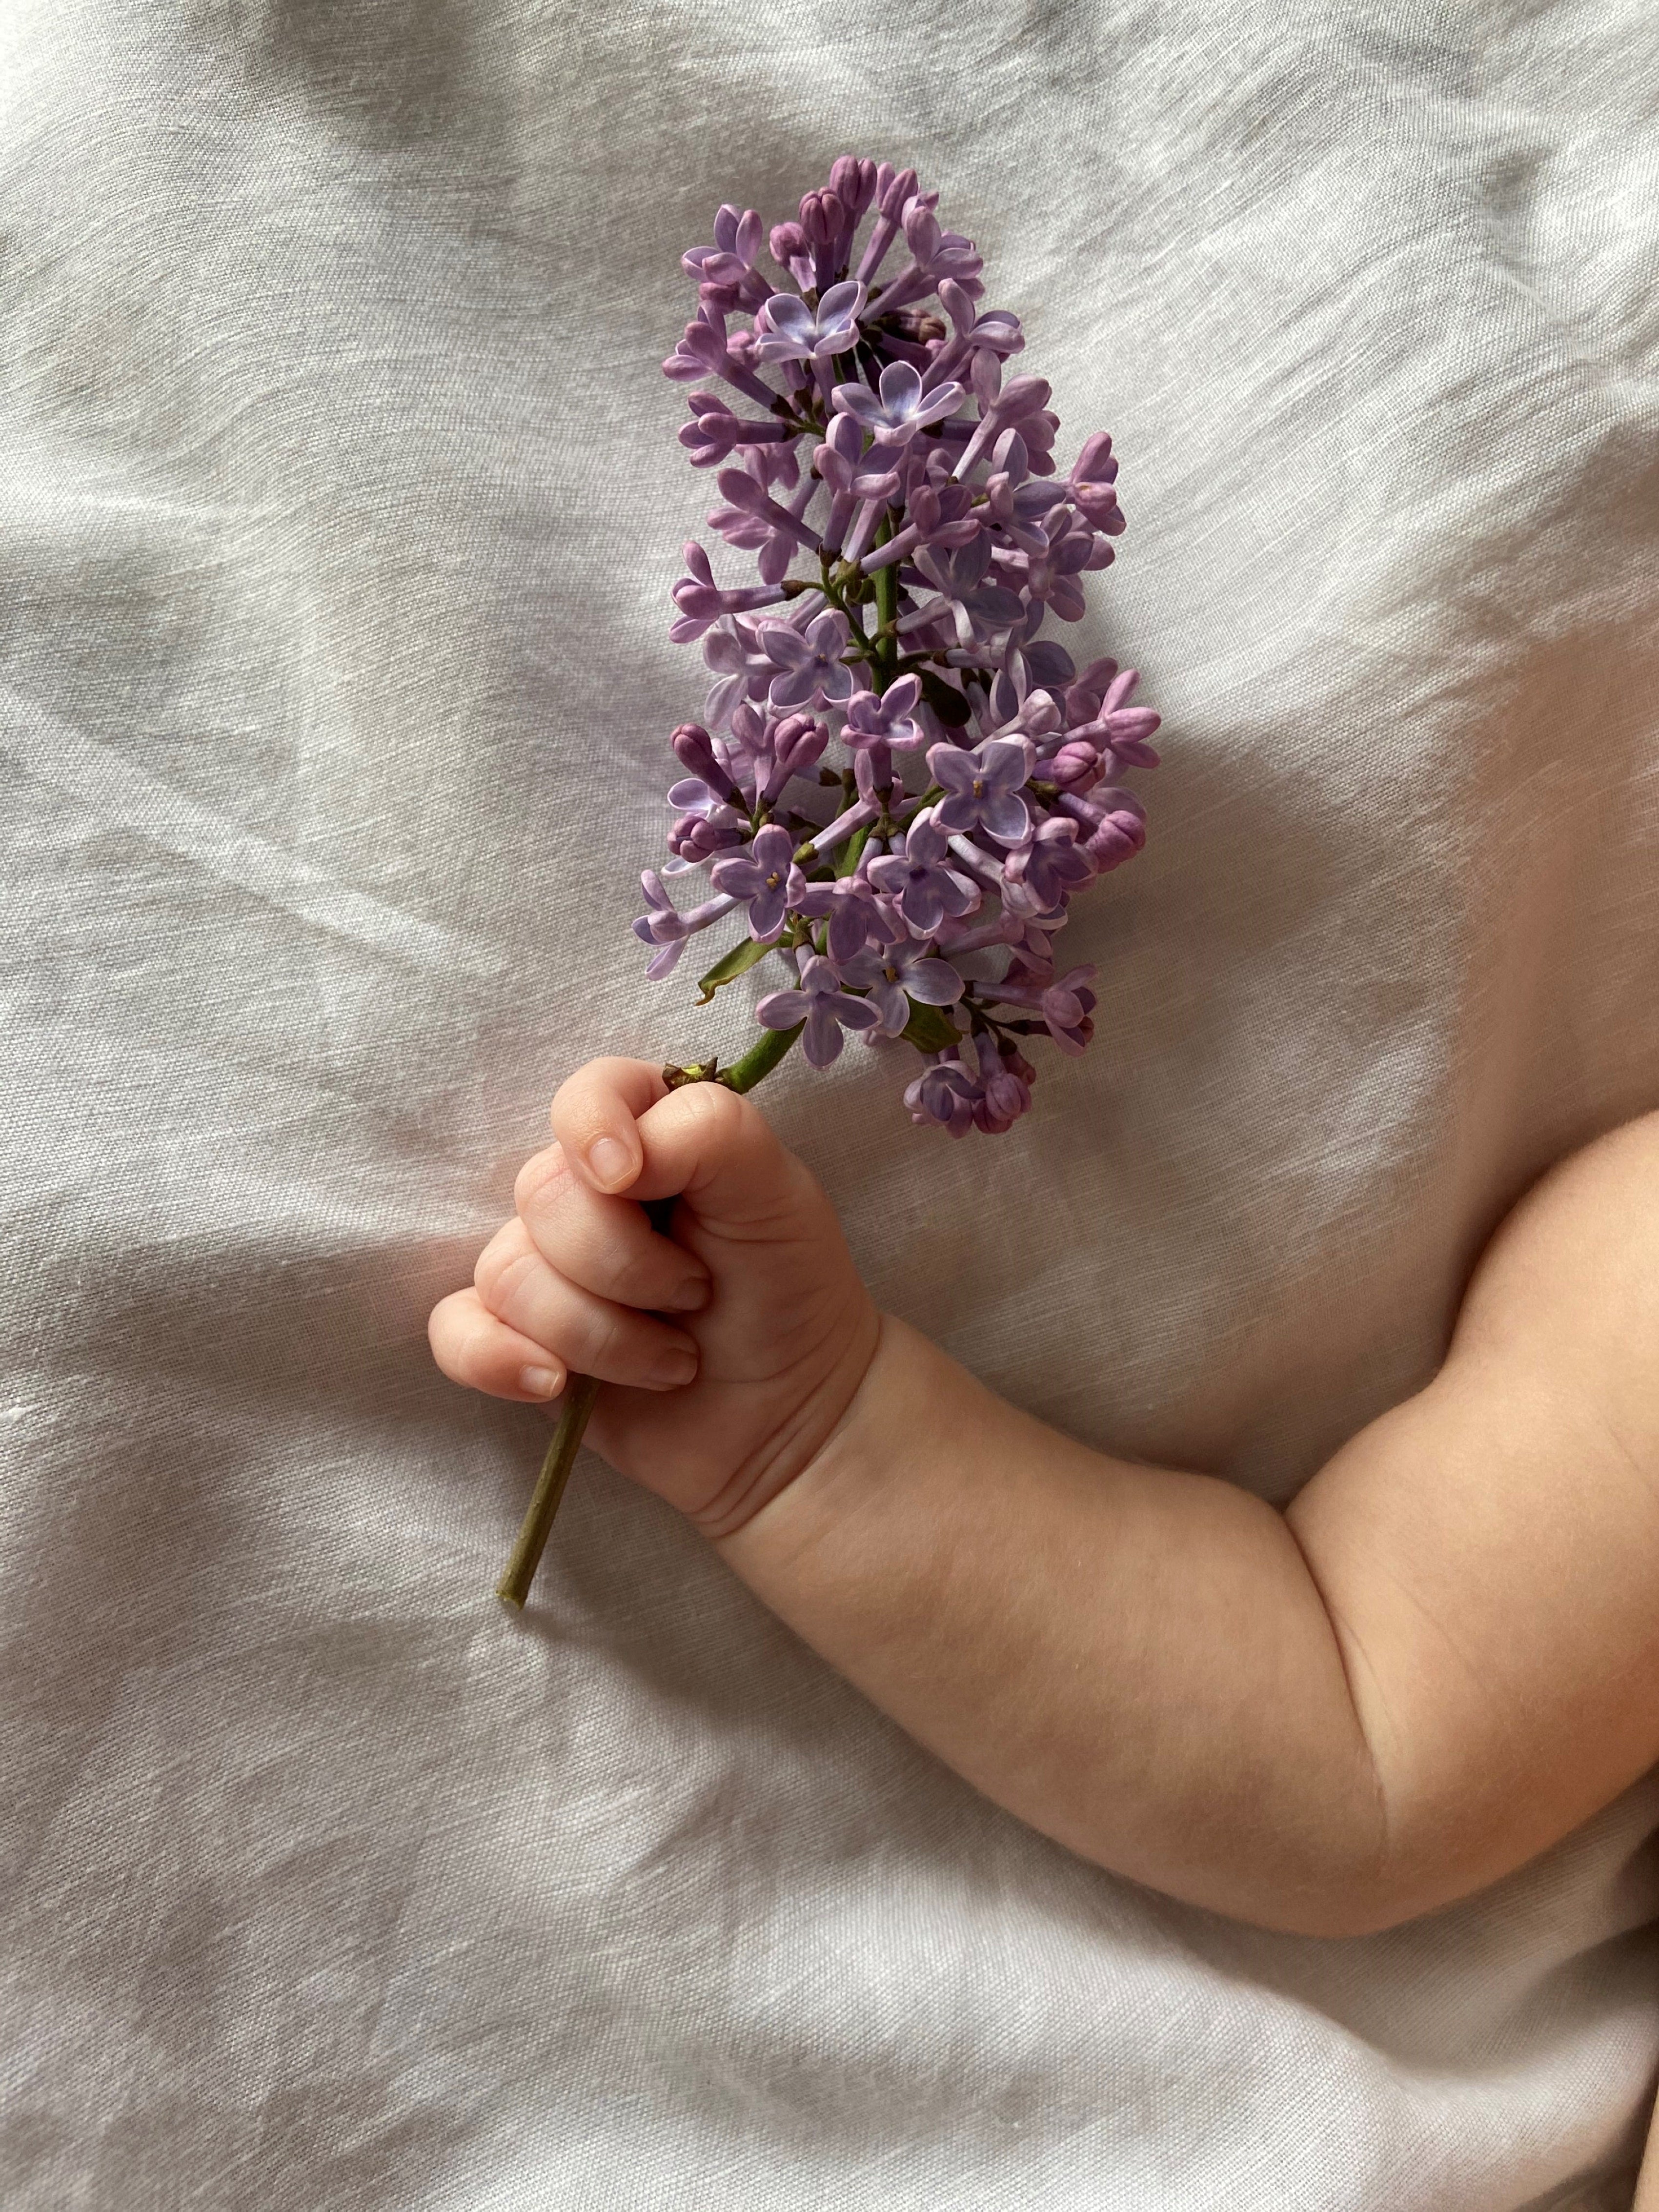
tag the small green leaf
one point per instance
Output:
(930, 1028)
(946, 702)
(745, 955)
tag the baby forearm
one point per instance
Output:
(1136, 1662)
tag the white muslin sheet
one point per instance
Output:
(340, 503)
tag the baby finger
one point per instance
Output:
(590, 1335)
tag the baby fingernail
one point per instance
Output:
(611, 1161)
(539, 1382)
(670, 1369)
(689, 1297)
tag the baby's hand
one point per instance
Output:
(720, 1408)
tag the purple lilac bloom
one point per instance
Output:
(761, 880)
(791, 331)
(821, 1003)
(898, 973)
(898, 408)
(981, 788)
(894, 491)
(916, 879)
(810, 664)
(943, 1094)
(855, 915)
(1045, 873)
(887, 720)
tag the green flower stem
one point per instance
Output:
(513, 1587)
(760, 1060)
(581, 1390)
(886, 583)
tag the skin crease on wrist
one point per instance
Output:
(1441, 1658)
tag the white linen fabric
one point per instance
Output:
(341, 503)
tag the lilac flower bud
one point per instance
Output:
(797, 742)
(1067, 1005)
(1003, 1095)
(821, 219)
(694, 748)
(715, 431)
(787, 243)
(1118, 836)
(1093, 481)
(897, 191)
(894, 189)
(854, 183)
(1075, 767)
(696, 838)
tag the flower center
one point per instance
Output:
(979, 787)
(774, 880)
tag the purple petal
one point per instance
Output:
(766, 912)
(822, 1041)
(782, 1010)
(793, 688)
(901, 388)
(858, 401)
(840, 304)
(1003, 814)
(938, 404)
(892, 1007)
(1003, 768)
(788, 315)
(863, 969)
(784, 647)
(953, 767)
(934, 983)
(850, 928)
(924, 909)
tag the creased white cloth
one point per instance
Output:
(341, 500)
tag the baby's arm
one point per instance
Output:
(1441, 1659)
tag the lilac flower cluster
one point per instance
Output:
(911, 534)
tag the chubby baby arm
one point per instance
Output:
(1441, 1659)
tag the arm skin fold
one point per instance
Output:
(1439, 1660)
